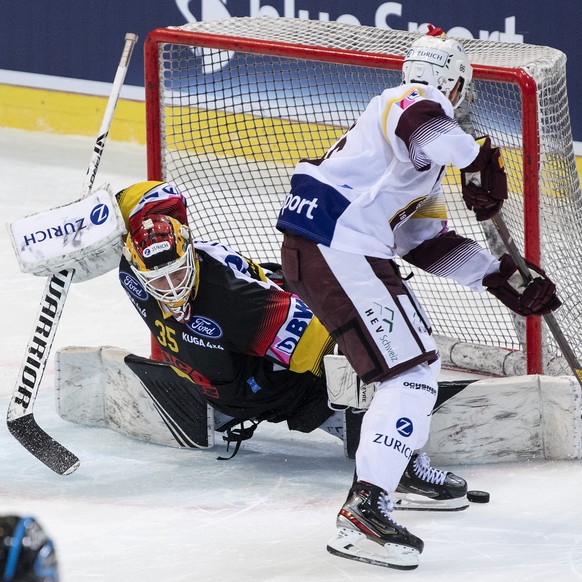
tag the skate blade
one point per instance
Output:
(412, 502)
(354, 545)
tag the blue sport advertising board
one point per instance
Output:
(79, 39)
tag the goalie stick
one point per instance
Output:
(20, 419)
(549, 318)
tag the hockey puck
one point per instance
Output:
(478, 496)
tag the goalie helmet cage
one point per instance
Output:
(233, 105)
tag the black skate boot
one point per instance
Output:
(367, 533)
(425, 488)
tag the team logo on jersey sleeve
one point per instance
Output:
(312, 208)
(410, 99)
(133, 286)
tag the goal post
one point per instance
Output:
(233, 105)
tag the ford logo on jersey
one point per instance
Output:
(133, 286)
(205, 327)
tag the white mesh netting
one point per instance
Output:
(236, 115)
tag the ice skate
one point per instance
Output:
(367, 533)
(424, 488)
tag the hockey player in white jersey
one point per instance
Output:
(374, 196)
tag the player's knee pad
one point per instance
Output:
(413, 395)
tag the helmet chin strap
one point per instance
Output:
(455, 94)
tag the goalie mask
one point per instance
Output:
(26, 552)
(440, 62)
(161, 255)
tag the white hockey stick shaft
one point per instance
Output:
(130, 41)
(549, 318)
(20, 419)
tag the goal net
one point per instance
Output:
(233, 105)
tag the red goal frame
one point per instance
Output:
(515, 76)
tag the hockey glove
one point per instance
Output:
(536, 297)
(484, 182)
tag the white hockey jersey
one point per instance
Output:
(384, 169)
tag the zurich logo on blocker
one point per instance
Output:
(99, 214)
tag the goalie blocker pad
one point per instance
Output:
(138, 397)
(84, 236)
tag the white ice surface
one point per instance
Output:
(138, 512)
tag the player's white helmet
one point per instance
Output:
(440, 62)
(161, 255)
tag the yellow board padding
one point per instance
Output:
(224, 134)
(217, 133)
(210, 132)
(69, 113)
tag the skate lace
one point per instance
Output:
(385, 505)
(423, 470)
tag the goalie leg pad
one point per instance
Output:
(138, 397)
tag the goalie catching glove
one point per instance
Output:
(534, 297)
(484, 182)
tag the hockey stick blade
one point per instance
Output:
(549, 318)
(20, 409)
(46, 449)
